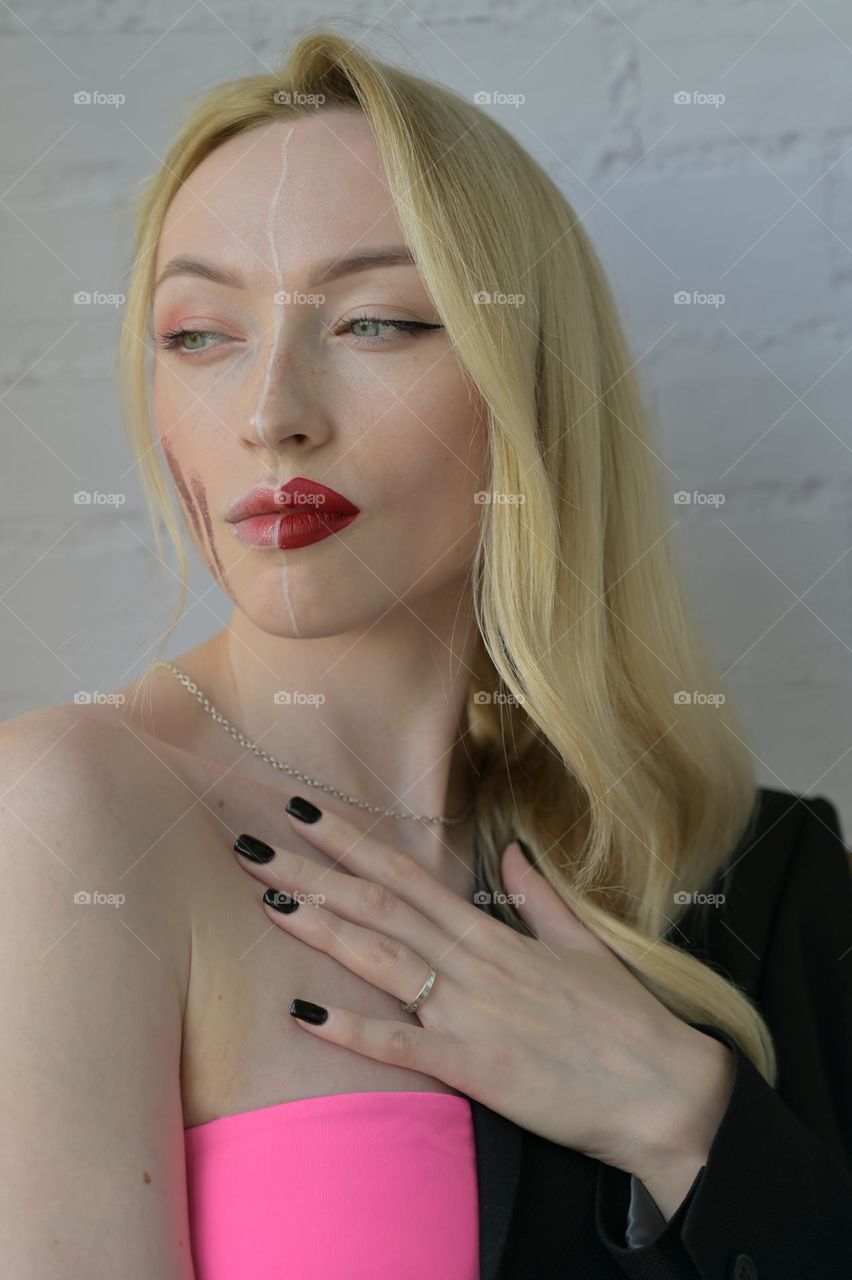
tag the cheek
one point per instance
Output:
(182, 394)
(191, 479)
(438, 438)
(196, 439)
(427, 458)
(180, 473)
(168, 405)
(186, 481)
(173, 401)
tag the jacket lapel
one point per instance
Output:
(498, 1144)
(498, 1162)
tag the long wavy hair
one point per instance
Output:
(627, 796)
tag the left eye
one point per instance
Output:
(415, 327)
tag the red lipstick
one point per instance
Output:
(293, 515)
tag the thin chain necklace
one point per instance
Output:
(294, 773)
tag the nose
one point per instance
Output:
(282, 404)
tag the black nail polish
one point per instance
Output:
(254, 849)
(308, 1012)
(303, 809)
(280, 901)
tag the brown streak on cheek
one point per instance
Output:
(201, 498)
(181, 486)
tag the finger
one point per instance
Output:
(384, 962)
(402, 1044)
(540, 906)
(364, 856)
(348, 896)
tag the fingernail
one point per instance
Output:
(308, 1012)
(251, 847)
(303, 809)
(280, 901)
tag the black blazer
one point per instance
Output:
(774, 1200)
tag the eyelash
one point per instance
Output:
(170, 340)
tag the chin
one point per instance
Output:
(281, 606)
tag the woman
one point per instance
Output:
(340, 1023)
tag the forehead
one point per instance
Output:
(319, 194)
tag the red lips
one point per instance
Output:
(295, 514)
(297, 494)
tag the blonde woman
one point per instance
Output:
(509, 970)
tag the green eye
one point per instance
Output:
(171, 341)
(415, 328)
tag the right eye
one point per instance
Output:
(171, 339)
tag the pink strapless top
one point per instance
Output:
(345, 1186)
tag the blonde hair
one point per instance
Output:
(625, 795)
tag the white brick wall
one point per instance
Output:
(676, 197)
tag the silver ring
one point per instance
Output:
(422, 993)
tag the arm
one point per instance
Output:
(92, 1157)
(776, 1187)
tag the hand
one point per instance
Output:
(554, 1032)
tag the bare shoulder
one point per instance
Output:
(63, 745)
(86, 754)
(90, 1004)
(86, 730)
(87, 795)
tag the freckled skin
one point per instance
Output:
(335, 386)
(286, 390)
(272, 217)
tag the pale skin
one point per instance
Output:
(554, 1032)
(387, 418)
(543, 1029)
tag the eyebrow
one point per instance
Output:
(323, 273)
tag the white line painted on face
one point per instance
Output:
(257, 420)
(271, 218)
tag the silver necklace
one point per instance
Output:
(294, 773)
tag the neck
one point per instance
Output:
(378, 714)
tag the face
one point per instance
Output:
(347, 382)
